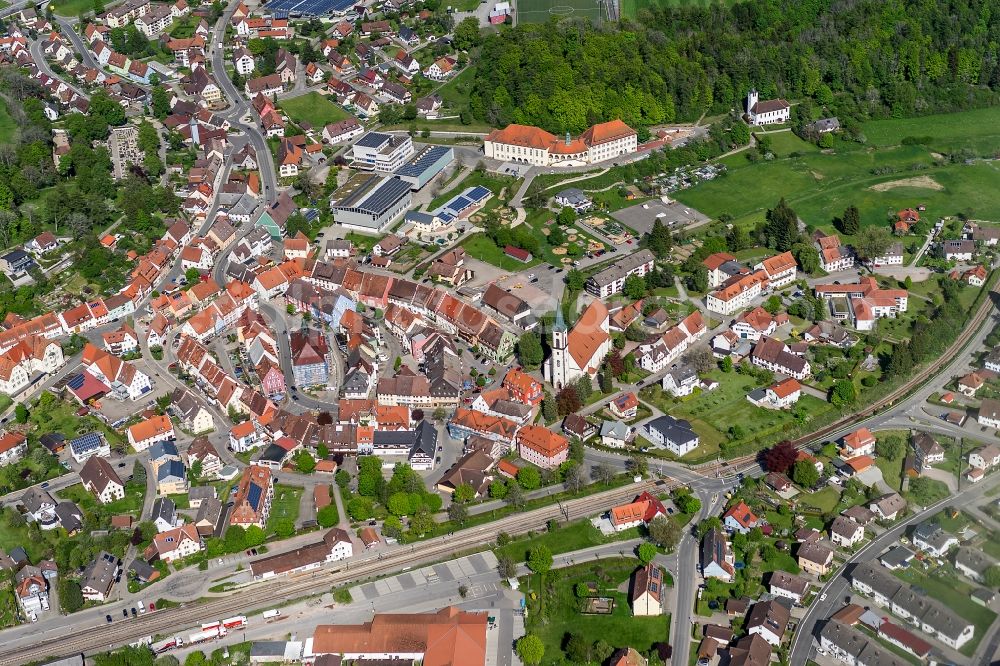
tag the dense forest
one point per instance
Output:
(857, 58)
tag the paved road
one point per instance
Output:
(35, 48)
(239, 106)
(68, 29)
(835, 589)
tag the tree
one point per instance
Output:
(568, 401)
(575, 280)
(540, 559)
(566, 216)
(578, 649)
(781, 227)
(235, 539)
(21, 413)
(659, 240)
(283, 527)
(646, 552)
(342, 478)
(890, 446)
(506, 566)
(529, 478)
(992, 576)
(464, 493)
(255, 536)
(603, 473)
(399, 504)
(665, 532)
(780, 457)
(727, 364)
(304, 462)
(498, 489)
(195, 471)
(805, 474)
(196, 658)
(192, 275)
(515, 494)
(872, 242)
(530, 648)
(421, 522)
(458, 512)
(850, 222)
(638, 465)
(550, 408)
(70, 595)
(698, 279)
(634, 287)
(843, 393)
(529, 350)
(359, 508)
(327, 516)
(688, 504)
(467, 34)
(574, 479)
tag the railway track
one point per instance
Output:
(96, 638)
(740, 463)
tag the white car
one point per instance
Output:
(822, 597)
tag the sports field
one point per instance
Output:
(880, 176)
(540, 11)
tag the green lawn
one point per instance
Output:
(824, 500)
(574, 536)
(455, 93)
(561, 615)
(55, 416)
(8, 128)
(892, 471)
(315, 109)
(976, 130)
(8, 608)
(130, 504)
(284, 505)
(481, 247)
(712, 414)
(72, 7)
(820, 185)
(495, 184)
(956, 595)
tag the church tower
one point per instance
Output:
(556, 367)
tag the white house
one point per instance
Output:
(676, 435)
(767, 112)
(845, 532)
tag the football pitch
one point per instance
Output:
(540, 11)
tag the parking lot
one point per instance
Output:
(675, 215)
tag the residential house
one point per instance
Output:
(717, 559)
(814, 558)
(889, 506)
(739, 518)
(769, 620)
(99, 577)
(845, 532)
(674, 434)
(252, 502)
(789, 586)
(930, 538)
(926, 450)
(858, 443)
(175, 544)
(540, 446)
(145, 433)
(100, 479)
(647, 591)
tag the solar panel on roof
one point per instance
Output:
(76, 381)
(254, 494)
(372, 140)
(446, 217)
(478, 193)
(459, 204)
(385, 196)
(88, 442)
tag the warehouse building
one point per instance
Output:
(368, 202)
(422, 167)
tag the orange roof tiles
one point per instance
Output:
(542, 440)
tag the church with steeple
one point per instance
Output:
(581, 350)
